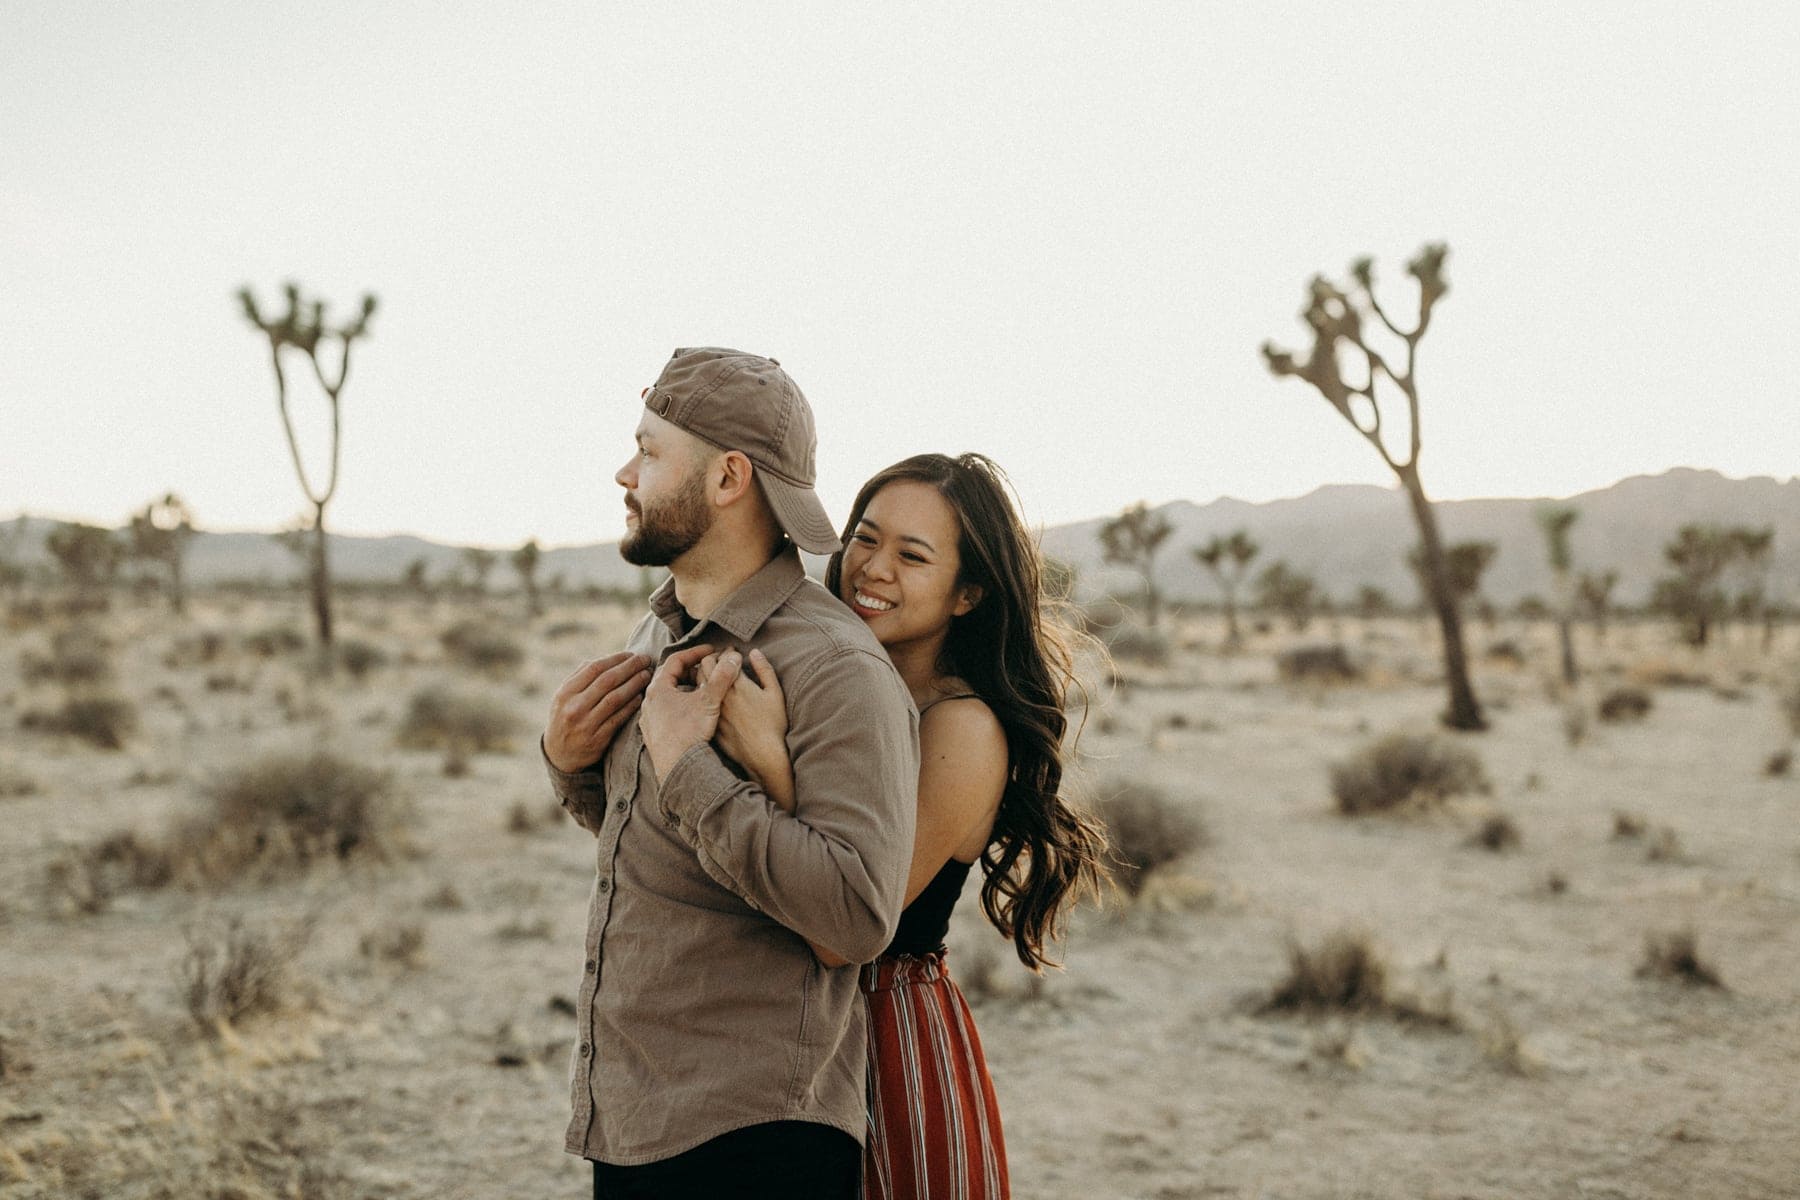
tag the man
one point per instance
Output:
(715, 1055)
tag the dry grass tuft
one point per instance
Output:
(1628, 825)
(1624, 704)
(1146, 830)
(290, 810)
(102, 721)
(77, 659)
(482, 647)
(440, 718)
(87, 880)
(274, 640)
(15, 783)
(1503, 1044)
(1327, 663)
(1405, 769)
(1497, 833)
(400, 944)
(1664, 846)
(1347, 973)
(1676, 955)
(1776, 766)
(235, 971)
(359, 658)
(1574, 724)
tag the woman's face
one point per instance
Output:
(901, 563)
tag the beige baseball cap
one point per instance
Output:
(745, 402)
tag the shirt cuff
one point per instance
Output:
(696, 784)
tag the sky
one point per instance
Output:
(1056, 233)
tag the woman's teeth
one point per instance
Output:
(865, 600)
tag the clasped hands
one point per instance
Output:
(697, 695)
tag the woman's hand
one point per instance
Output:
(753, 725)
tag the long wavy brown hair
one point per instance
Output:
(1018, 657)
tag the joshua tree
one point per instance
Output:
(1288, 592)
(303, 328)
(1467, 562)
(413, 578)
(1372, 602)
(1693, 595)
(1752, 605)
(160, 534)
(1595, 595)
(525, 562)
(1339, 320)
(1133, 538)
(1227, 558)
(1555, 520)
(480, 562)
(88, 555)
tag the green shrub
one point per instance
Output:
(1405, 768)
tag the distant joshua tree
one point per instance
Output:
(1287, 591)
(525, 561)
(1467, 563)
(480, 563)
(1228, 558)
(303, 328)
(1694, 595)
(1338, 318)
(1132, 538)
(1594, 594)
(1372, 602)
(1556, 520)
(160, 534)
(87, 555)
(1752, 604)
(413, 578)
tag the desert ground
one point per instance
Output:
(407, 1031)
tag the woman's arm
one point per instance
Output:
(962, 774)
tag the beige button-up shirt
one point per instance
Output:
(701, 1008)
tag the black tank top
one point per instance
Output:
(927, 919)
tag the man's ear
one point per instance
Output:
(969, 600)
(733, 475)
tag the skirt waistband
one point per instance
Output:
(898, 970)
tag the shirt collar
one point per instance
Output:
(743, 612)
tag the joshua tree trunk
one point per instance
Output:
(1464, 711)
(1233, 636)
(321, 583)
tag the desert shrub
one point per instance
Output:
(568, 629)
(1624, 704)
(1664, 846)
(15, 782)
(235, 971)
(194, 649)
(1403, 768)
(78, 658)
(403, 944)
(1136, 643)
(439, 717)
(359, 657)
(446, 899)
(1574, 724)
(103, 721)
(274, 640)
(88, 878)
(289, 810)
(1497, 833)
(1506, 651)
(1345, 972)
(1627, 824)
(1775, 767)
(1676, 955)
(1325, 663)
(482, 647)
(1146, 830)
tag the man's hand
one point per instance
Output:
(678, 716)
(591, 706)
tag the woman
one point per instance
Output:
(939, 565)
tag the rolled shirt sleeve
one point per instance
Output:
(582, 793)
(835, 870)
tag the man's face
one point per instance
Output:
(666, 509)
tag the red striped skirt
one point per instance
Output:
(934, 1125)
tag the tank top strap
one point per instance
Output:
(954, 696)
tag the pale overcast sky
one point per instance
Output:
(1053, 233)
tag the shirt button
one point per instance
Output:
(672, 819)
(605, 885)
(591, 966)
(621, 806)
(586, 1050)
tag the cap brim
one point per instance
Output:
(801, 515)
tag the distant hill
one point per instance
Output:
(1342, 535)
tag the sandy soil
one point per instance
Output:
(1143, 1070)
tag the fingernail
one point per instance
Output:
(731, 656)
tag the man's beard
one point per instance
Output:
(669, 530)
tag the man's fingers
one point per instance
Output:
(675, 668)
(765, 672)
(587, 672)
(609, 728)
(718, 684)
(618, 675)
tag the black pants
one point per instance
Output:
(782, 1160)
